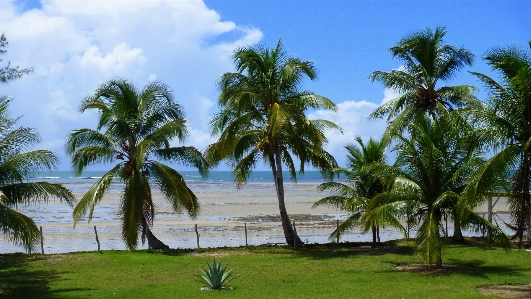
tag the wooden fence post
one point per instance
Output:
(97, 239)
(245, 234)
(197, 234)
(337, 228)
(489, 214)
(42, 242)
(295, 235)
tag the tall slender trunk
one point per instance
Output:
(438, 246)
(528, 235)
(527, 202)
(438, 259)
(373, 236)
(523, 200)
(276, 167)
(458, 233)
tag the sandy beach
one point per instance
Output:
(225, 213)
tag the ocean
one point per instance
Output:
(192, 177)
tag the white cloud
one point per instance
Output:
(250, 36)
(351, 116)
(389, 94)
(74, 46)
(200, 139)
(117, 61)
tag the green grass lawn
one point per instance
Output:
(264, 272)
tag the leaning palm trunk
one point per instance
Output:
(289, 233)
(153, 242)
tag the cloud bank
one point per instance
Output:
(74, 46)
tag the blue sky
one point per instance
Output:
(76, 45)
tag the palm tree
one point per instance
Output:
(359, 187)
(134, 126)
(431, 172)
(17, 166)
(262, 118)
(426, 61)
(505, 121)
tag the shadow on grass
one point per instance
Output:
(18, 282)
(452, 266)
(460, 269)
(342, 250)
(169, 252)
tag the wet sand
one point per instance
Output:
(226, 214)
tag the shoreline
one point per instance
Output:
(224, 214)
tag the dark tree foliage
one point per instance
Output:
(9, 73)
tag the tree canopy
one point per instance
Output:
(9, 73)
(426, 61)
(19, 163)
(135, 130)
(262, 117)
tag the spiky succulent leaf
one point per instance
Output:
(216, 277)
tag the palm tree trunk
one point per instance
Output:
(527, 202)
(438, 260)
(458, 233)
(153, 242)
(373, 236)
(523, 198)
(528, 236)
(289, 233)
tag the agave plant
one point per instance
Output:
(216, 277)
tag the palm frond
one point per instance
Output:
(91, 155)
(482, 225)
(490, 177)
(348, 224)
(34, 192)
(17, 140)
(382, 211)
(429, 241)
(135, 203)
(81, 138)
(22, 166)
(185, 155)
(242, 168)
(18, 228)
(95, 194)
(174, 188)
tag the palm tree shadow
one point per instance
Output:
(333, 250)
(17, 280)
(473, 268)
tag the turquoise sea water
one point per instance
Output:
(215, 179)
(189, 176)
